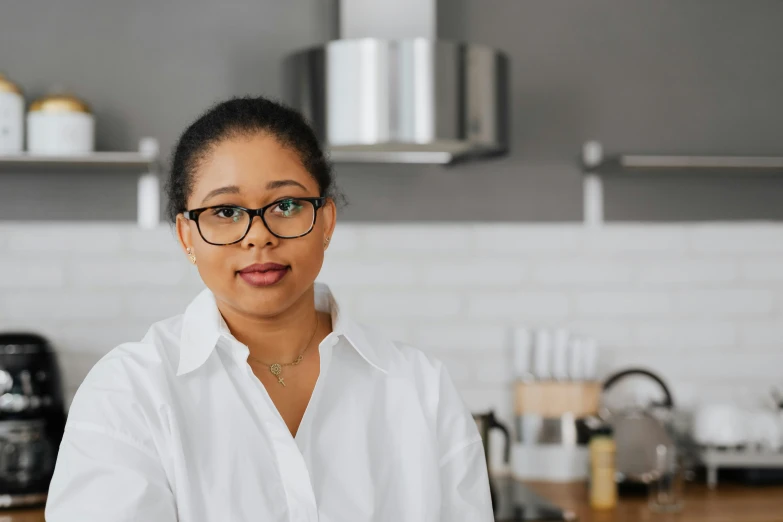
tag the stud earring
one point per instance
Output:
(191, 256)
(326, 241)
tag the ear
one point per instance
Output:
(329, 211)
(184, 233)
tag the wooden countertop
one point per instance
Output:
(727, 503)
(22, 515)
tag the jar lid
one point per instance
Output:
(59, 103)
(7, 85)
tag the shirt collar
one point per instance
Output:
(203, 326)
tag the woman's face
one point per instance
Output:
(252, 172)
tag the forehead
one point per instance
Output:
(250, 163)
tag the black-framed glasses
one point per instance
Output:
(286, 218)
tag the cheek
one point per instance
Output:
(213, 266)
(307, 256)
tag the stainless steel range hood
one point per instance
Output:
(388, 91)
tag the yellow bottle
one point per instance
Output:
(603, 488)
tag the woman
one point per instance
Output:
(264, 401)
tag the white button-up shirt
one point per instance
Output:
(178, 428)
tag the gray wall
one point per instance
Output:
(703, 76)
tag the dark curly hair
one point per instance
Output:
(241, 117)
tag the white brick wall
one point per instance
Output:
(701, 304)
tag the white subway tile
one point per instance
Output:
(345, 273)
(522, 307)
(75, 366)
(770, 270)
(160, 240)
(156, 306)
(738, 238)
(493, 370)
(484, 370)
(411, 305)
(700, 304)
(97, 338)
(687, 271)
(399, 331)
(72, 238)
(723, 303)
(635, 239)
(417, 238)
(31, 273)
(5, 233)
(46, 305)
(481, 398)
(751, 366)
(110, 273)
(693, 335)
(461, 371)
(516, 238)
(605, 332)
(581, 272)
(462, 336)
(191, 279)
(476, 272)
(762, 333)
(345, 239)
(622, 304)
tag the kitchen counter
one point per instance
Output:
(22, 515)
(727, 503)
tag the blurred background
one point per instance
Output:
(534, 273)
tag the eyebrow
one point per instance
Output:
(284, 183)
(229, 189)
(233, 189)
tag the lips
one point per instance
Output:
(261, 275)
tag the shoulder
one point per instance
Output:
(397, 358)
(452, 421)
(438, 395)
(129, 382)
(154, 357)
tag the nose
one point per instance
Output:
(259, 234)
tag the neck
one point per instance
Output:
(277, 339)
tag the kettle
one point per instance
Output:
(638, 431)
(486, 422)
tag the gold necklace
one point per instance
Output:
(277, 368)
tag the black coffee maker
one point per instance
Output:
(32, 418)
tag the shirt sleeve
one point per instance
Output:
(108, 466)
(465, 486)
(105, 477)
(465, 495)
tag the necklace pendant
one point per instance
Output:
(275, 369)
(280, 380)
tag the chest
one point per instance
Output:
(362, 442)
(290, 388)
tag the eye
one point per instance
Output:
(287, 208)
(234, 214)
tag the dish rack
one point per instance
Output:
(714, 458)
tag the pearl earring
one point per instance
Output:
(191, 256)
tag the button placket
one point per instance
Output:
(291, 466)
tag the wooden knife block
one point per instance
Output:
(554, 398)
